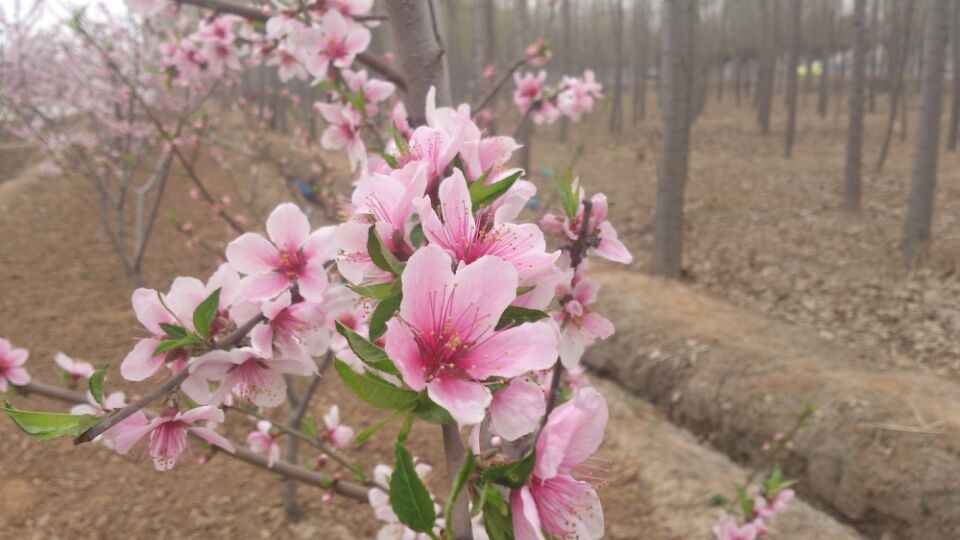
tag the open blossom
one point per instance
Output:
(288, 66)
(467, 239)
(579, 327)
(75, 369)
(264, 443)
(530, 98)
(373, 90)
(577, 95)
(728, 529)
(338, 434)
(443, 339)
(343, 133)
(337, 41)
(608, 245)
(11, 365)
(252, 377)
(168, 434)
(769, 509)
(292, 256)
(516, 409)
(554, 500)
(295, 328)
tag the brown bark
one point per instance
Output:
(823, 92)
(767, 67)
(616, 108)
(792, 64)
(955, 69)
(851, 191)
(899, 77)
(640, 54)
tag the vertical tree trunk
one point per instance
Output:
(823, 94)
(738, 79)
(872, 40)
(640, 53)
(419, 53)
(916, 232)
(616, 109)
(523, 20)
(792, 65)
(955, 69)
(676, 60)
(899, 77)
(484, 47)
(698, 66)
(767, 70)
(567, 58)
(851, 192)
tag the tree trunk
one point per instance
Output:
(767, 70)
(675, 65)
(567, 58)
(419, 54)
(851, 192)
(792, 65)
(484, 47)
(872, 40)
(955, 68)
(916, 232)
(738, 79)
(641, 43)
(616, 109)
(823, 93)
(899, 79)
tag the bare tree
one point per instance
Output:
(641, 33)
(955, 68)
(565, 9)
(916, 231)
(823, 92)
(767, 69)
(899, 76)
(872, 40)
(616, 109)
(851, 191)
(792, 65)
(675, 65)
(484, 45)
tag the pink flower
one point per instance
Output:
(168, 434)
(727, 529)
(400, 120)
(336, 41)
(264, 443)
(554, 500)
(252, 377)
(373, 90)
(111, 402)
(343, 133)
(292, 256)
(530, 97)
(11, 365)
(579, 327)
(467, 239)
(288, 65)
(444, 339)
(338, 434)
(765, 509)
(75, 369)
(608, 245)
(577, 96)
(517, 409)
(298, 329)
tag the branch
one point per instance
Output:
(517, 64)
(455, 453)
(282, 468)
(170, 385)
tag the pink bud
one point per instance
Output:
(327, 497)
(778, 436)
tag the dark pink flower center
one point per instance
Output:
(291, 265)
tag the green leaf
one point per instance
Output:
(401, 143)
(390, 160)
(484, 195)
(96, 384)
(718, 500)
(524, 290)
(515, 315)
(431, 412)
(368, 432)
(513, 475)
(459, 481)
(173, 331)
(368, 351)
(405, 428)
(568, 198)
(496, 516)
(44, 426)
(378, 291)
(308, 427)
(385, 310)
(378, 393)
(171, 344)
(746, 503)
(382, 257)
(205, 313)
(416, 236)
(409, 498)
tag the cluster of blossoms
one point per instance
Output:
(764, 509)
(572, 98)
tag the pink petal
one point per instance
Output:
(140, 363)
(5, 346)
(586, 291)
(610, 247)
(129, 435)
(517, 409)
(150, 312)
(196, 388)
(403, 350)
(598, 327)
(320, 246)
(479, 294)
(573, 432)
(205, 413)
(215, 364)
(466, 401)
(261, 338)
(513, 352)
(288, 227)
(426, 278)
(252, 254)
(260, 287)
(18, 357)
(571, 345)
(312, 282)
(526, 521)
(17, 376)
(212, 437)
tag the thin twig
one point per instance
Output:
(517, 64)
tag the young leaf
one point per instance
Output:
(746, 503)
(368, 351)
(205, 313)
(383, 313)
(514, 315)
(308, 427)
(405, 428)
(417, 237)
(378, 291)
(466, 469)
(376, 392)
(96, 384)
(431, 412)
(568, 198)
(171, 344)
(173, 331)
(513, 475)
(44, 426)
(368, 432)
(496, 516)
(484, 195)
(409, 498)
(382, 257)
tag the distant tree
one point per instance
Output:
(955, 68)
(916, 234)
(873, 39)
(641, 31)
(902, 51)
(616, 108)
(768, 64)
(823, 92)
(851, 191)
(675, 102)
(792, 65)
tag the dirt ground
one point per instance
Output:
(762, 231)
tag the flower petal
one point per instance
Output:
(466, 401)
(266, 286)
(513, 352)
(517, 409)
(252, 254)
(288, 227)
(140, 363)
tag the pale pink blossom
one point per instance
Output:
(516, 409)
(288, 66)
(443, 339)
(338, 434)
(577, 96)
(250, 376)
(373, 90)
(296, 328)
(769, 509)
(579, 326)
(336, 41)
(11, 365)
(608, 245)
(530, 98)
(401, 120)
(728, 529)
(76, 370)
(554, 500)
(264, 443)
(292, 256)
(343, 132)
(168, 434)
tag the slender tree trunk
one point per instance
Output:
(792, 65)
(872, 40)
(641, 44)
(484, 47)
(768, 61)
(955, 69)
(823, 94)
(916, 232)
(738, 79)
(616, 109)
(676, 60)
(567, 57)
(851, 192)
(698, 66)
(899, 77)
